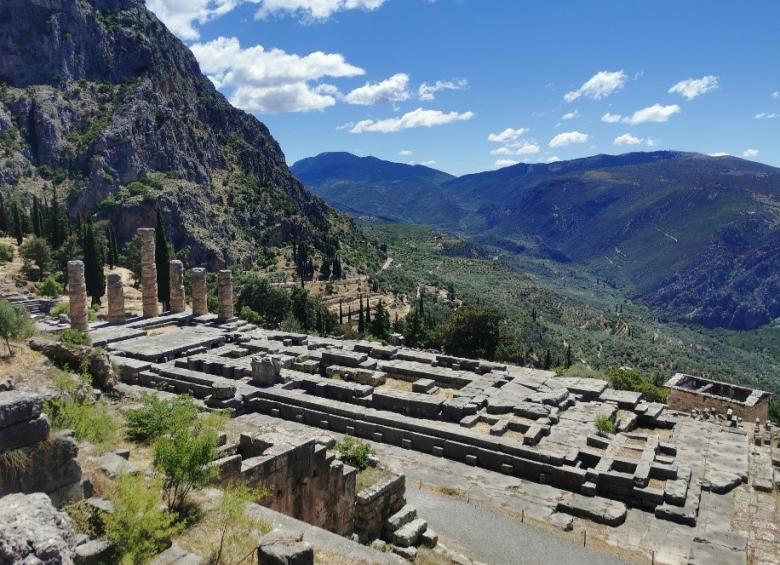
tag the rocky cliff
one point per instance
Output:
(100, 101)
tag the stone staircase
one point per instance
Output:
(35, 306)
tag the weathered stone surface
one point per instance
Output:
(113, 465)
(401, 518)
(199, 292)
(76, 357)
(284, 548)
(703, 552)
(601, 510)
(33, 531)
(116, 299)
(175, 555)
(17, 406)
(77, 296)
(225, 294)
(409, 534)
(151, 306)
(266, 370)
(24, 434)
(177, 286)
(51, 466)
(94, 552)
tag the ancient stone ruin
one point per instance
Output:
(689, 393)
(77, 296)
(151, 307)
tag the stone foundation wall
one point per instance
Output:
(377, 503)
(685, 401)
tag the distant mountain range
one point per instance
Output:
(694, 236)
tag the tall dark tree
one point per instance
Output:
(349, 313)
(337, 272)
(421, 306)
(162, 258)
(547, 360)
(361, 318)
(368, 313)
(380, 327)
(37, 222)
(112, 255)
(325, 269)
(341, 314)
(568, 356)
(56, 231)
(3, 220)
(18, 225)
(94, 259)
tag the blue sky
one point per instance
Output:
(471, 85)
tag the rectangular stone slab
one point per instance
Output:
(17, 406)
(155, 347)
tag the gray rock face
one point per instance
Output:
(74, 357)
(16, 407)
(284, 548)
(33, 531)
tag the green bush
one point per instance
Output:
(354, 452)
(627, 379)
(15, 323)
(75, 337)
(269, 303)
(49, 286)
(89, 420)
(35, 251)
(472, 331)
(158, 417)
(139, 527)
(604, 426)
(6, 253)
(249, 315)
(61, 308)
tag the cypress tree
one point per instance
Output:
(3, 221)
(162, 259)
(18, 225)
(341, 315)
(568, 356)
(56, 232)
(547, 360)
(93, 264)
(36, 217)
(109, 252)
(361, 319)
(368, 312)
(421, 307)
(349, 313)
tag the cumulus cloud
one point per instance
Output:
(767, 116)
(776, 94)
(428, 91)
(393, 89)
(509, 134)
(570, 115)
(312, 10)
(628, 139)
(749, 153)
(611, 118)
(429, 163)
(599, 86)
(405, 152)
(517, 148)
(500, 163)
(414, 119)
(273, 80)
(720, 154)
(567, 138)
(692, 87)
(181, 16)
(654, 113)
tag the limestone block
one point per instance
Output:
(94, 552)
(409, 534)
(199, 293)
(284, 548)
(225, 294)
(24, 434)
(17, 406)
(266, 370)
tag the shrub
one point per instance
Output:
(36, 251)
(183, 456)
(235, 526)
(89, 420)
(472, 331)
(604, 426)
(269, 303)
(49, 287)
(158, 417)
(6, 253)
(75, 337)
(139, 527)
(354, 452)
(627, 379)
(249, 315)
(15, 323)
(60, 308)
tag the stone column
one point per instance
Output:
(116, 299)
(77, 294)
(200, 305)
(177, 286)
(151, 307)
(225, 294)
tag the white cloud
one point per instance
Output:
(312, 10)
(518, 148)
(272, 81)
(429, 163)
(720, 154)
(611, 118)
(405, 152)
(393, 89)
(654, 113)
(628, 139)
(693, 87)
(767, 116)
(500, 163)
(414, 119)
(748, 153)
(552, 159)
(570, 115)
(509, 134)
(776, 94)
(428, 91)
(568, 137)
(181, 16)
(599, 86)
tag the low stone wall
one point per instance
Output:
(375, 504)
(685, 401)
(30, 459)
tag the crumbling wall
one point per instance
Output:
(686, 401)
(375, 504)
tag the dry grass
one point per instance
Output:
(481, 427)
(326, 556)
(397, 384)
(627, 453)
(427, 556)
(371, 476)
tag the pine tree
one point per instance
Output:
(94, 258)
(18, 225)
(162, 259)
(381, 324)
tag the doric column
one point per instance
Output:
(177, 286)
(116, 299)
(200, 305)
(225, 294)
(151, 306)
(77, 294)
